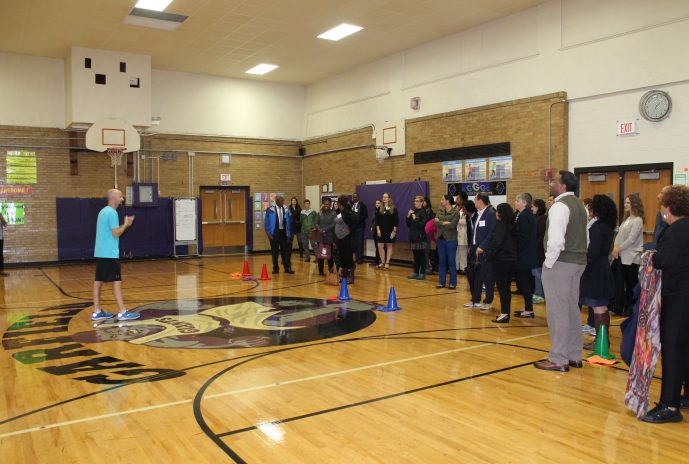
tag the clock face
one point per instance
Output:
(655, 105)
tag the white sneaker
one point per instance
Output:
(486, 308)
(587, 328)
(472, 305)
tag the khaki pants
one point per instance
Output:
(561, 287)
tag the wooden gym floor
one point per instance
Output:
(226, 370)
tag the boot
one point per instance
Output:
(605, 320)
(598, 320)
(350, 276)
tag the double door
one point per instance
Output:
(223, 219)
(618, 184)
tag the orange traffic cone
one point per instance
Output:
(264, 273)
(246, 272)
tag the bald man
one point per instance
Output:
(107, 254)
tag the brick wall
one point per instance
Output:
(522, 122)
(37, 239)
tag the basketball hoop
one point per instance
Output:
(115, 154)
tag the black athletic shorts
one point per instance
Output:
(108, 270)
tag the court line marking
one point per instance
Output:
(262, 387)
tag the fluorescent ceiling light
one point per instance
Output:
(261, 69)
(340, 32)
(155, 5)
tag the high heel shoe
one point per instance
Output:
(502, 319)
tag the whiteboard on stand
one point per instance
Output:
(186, 219)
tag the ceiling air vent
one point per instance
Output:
(154, 19)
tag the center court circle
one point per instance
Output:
(235, 322)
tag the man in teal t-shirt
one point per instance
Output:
(107, 254)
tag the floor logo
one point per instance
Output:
(186, 324)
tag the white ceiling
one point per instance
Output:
(227, 37)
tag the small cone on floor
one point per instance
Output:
(264, 273)
(344, 293)
(245, 271)
(392, 302)
(602, 344)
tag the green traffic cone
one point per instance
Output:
(602, 344)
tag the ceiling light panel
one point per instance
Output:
(155, 5)
(261, 69)
(340, 32)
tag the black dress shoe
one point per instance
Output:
(661, 414)
(576, 364)
(502, 319)
(524, 314)
(439, 286)
(276, 271)
(289, 271)
(548, 365)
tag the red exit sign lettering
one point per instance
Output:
(626, 127)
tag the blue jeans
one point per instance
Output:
(447, 252)
(538, 289)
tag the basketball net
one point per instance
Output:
(115, 155)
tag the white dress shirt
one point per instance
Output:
(558, 219)
(475, 225)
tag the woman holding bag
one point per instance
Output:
(345, 220)
(325, 225)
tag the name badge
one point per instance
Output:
(481, 223)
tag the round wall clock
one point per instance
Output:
(655, 105)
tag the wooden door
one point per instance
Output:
(600, 183)
(648, 185)
(234, 230)
(212, 219)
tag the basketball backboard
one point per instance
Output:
(112, 133)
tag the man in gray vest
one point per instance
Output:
(565, 260)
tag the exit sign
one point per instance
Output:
(626, 127)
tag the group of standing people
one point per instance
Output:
(334, 233)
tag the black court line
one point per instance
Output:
(68, 295)
(380, 398)
(217, 438)
(221, 361)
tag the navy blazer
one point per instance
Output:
(485, 228)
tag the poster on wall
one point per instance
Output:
(500, 167)
(272, 196)
(21, 167)
(265, 205)
(497, 191)
(265, 196)
(475, 169)
(258, 216)
(13, 213)
(257, 196)
(452, 171)
(257, 205)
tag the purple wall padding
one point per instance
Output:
(402, 196)
(151, 234)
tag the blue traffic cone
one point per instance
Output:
(392, 303)
(344, 293)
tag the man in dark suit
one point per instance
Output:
(279, 231)
(483, 227)
(361, 213)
